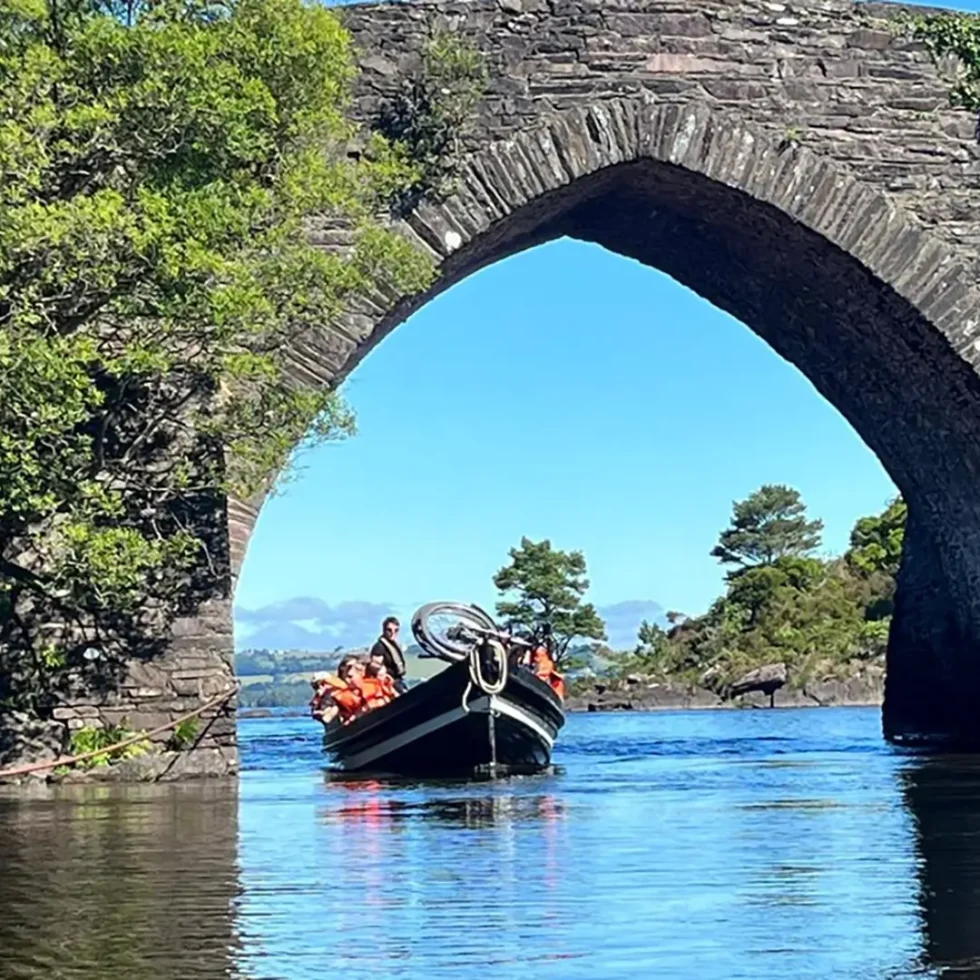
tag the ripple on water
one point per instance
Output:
(681, 844)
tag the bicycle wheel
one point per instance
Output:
(435, 624)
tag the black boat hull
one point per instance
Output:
(429, 730)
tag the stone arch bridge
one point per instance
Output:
(795, 163)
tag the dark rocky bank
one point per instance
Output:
(650, 694)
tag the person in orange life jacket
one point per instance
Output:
(348, 696)
(378, 670)
(544, 667)
(388, 648)
(373, 690)
(323, 707)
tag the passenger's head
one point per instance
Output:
(349, 667)
(376, 667)
(390, 627)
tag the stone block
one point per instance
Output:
(144, 674)
(197, 764)
(187, 687)
(148, 693)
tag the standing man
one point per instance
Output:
(388, 648)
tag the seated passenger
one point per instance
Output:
(544, 667)
(322, 706)
(374, 690)
(345, 689)
(377, 670)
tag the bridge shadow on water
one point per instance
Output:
(943, 798)
(120, 883)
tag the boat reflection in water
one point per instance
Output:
(381, 837)
(373, 807)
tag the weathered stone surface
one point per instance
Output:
(798, 166)
(645, 697)
(150, 695)
(868, 688)
(159, 767)
(26, 739)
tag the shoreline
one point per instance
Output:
(866, 690)
(739, 705)
(580, 705)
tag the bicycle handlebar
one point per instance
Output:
(497, 634)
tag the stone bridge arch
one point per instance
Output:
(797, 165)
(879, 314)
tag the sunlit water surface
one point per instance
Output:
(685, 844)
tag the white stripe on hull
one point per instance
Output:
(480, 706)
(498, 704)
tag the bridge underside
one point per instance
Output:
(880, 364)
(867, 350)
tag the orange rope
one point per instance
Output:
(69, 760)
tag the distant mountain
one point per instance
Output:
(623, 620)
(311, 625)
(284, 636)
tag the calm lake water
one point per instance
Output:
(685, 844)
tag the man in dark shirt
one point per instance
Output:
(388, 648)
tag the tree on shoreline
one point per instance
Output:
(768, 525)
(821, 617)
(877, 541)
(548, 586)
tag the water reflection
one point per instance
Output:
(119, 883)
(712, 845)
(372, 806)
(943, 796)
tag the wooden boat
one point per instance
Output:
(456, 723)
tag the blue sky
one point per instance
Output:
(566, 393)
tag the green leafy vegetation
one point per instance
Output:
(85, 740)
(277, 663)
(276, 694)
(184, 735)
(822, 617)
(431, 111)
(957, 35)
(546, 586)
(160, 163)
(768, 526)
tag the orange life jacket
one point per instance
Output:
(373, 691)
(347, 698)
(544, 667)
(541, 663)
